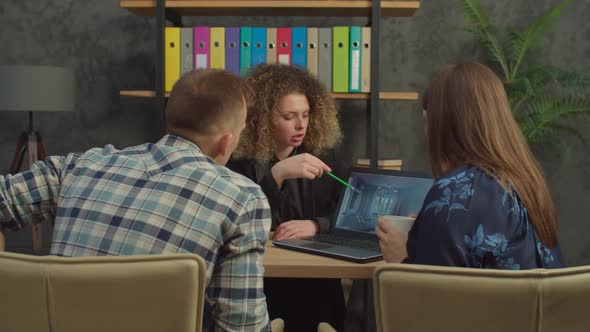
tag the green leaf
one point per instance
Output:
(475, 14)
(544, 114)
(484, 32)
(551, 142)
(519, 88)
(542, 77)
(569, 130)
(544, 99)
(526, 39)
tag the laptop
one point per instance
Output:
(377, 192)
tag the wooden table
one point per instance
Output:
(283, 263)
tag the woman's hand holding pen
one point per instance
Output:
(302, 165)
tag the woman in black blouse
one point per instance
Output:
(291, 130)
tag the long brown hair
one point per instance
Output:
(270, 83)
(469, 122)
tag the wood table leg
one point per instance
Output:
(2, 241)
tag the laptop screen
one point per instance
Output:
(380, 193)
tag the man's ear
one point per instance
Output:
(224, 145)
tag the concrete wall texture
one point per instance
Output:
(111, 49)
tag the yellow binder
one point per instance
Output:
(218, 48)
(171, 57)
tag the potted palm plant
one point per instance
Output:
(545, 99)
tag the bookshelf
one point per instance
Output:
(272, 8)
(174, 10)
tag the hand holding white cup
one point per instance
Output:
(392, 232)
(401, 223)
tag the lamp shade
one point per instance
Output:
(36, 88)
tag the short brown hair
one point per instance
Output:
(469, 122)
(205, 100)
(270, 83)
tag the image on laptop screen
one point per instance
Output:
(379, 194)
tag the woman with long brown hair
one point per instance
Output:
(490, 206)
(291, 131)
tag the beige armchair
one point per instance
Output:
(325, 327)
(108, 293)
(429, 298)
(133, 293)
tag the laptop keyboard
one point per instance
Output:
(345, 242)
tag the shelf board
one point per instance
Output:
(272, 7)
(138, 93)
(382, 95)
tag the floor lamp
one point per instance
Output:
(34, 89)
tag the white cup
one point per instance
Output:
(402, 223)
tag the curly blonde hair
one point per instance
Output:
(270, 83)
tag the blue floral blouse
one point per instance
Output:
(469, 220)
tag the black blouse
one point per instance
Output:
(297, 199)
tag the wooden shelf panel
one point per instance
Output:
(272, 8)
(382, 95)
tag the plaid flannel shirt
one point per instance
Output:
(166, 197)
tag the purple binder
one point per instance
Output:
(232, 50)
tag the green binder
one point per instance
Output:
(245, 50)
(340, 66)
(355, 60)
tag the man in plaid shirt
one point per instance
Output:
(171, 196)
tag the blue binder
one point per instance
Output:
(299, 49)
(258, 46)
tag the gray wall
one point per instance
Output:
(111, 49)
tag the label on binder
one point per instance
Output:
(284, 59)
(201, 61)
(356, 65)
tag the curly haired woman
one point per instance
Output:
(291, 130)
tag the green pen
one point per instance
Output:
(341, 181)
